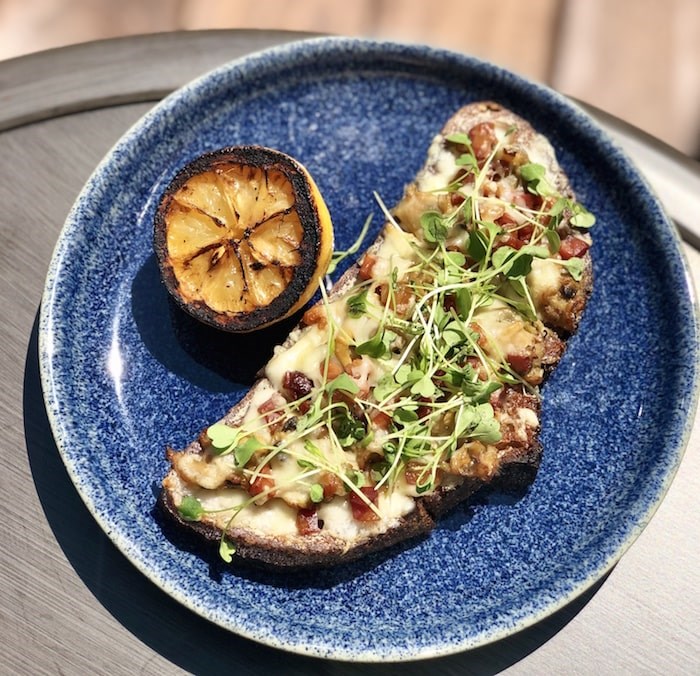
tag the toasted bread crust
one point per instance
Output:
(516, 472)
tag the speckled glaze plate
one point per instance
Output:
(125, 373)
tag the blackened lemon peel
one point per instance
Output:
(242, 237)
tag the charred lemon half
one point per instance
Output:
(242, 237)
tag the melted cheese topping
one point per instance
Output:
(505, 331)
(309, 351)
(307, 355)
(442, 167)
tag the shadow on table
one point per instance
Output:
(181, 636)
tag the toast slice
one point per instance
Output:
(416, 381)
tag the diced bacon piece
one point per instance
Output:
(510, 239)
(297, 384)
(332, 485)
(366, 267)
(527, 200)
(315, 315)
(483, 138)
(272, 409)
(413, 472)
(572, 247)
(381, 420)
(361, 511)
(403, 299)
(520, 363)
(307, 521)
(335, 368)
(263, 482)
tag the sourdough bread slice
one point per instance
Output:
(298, 498)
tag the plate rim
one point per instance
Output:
(45, 345)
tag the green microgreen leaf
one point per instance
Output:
(245, 451)
(434, 228)
(460, 138)
(374, 347)
(502, 255)
(514, 263)
(349, 430)
(463, 302)
(385, 387)
(312, 449)
(425, 387)
(356, 477)
(190, 508)
(575, 267)
(455, 259)
(534, 176)
(558, 207)
(532, 172)
(467, 160)
(440, 315)
(423, 486)
(403, 373)
(477, 246)
(223, 437)
(390, 449)
(342, 382)
(553, 239)
(582, 218)
(453, 377)
(477, 422)
(478, 390)
(226, 550)
(316, 493)
(520, 266)
(492, 229)
(406, 414)
(357, 304)
(536, 251)
(453, 334)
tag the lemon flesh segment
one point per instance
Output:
(238, 237)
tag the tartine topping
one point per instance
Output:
(425, 371)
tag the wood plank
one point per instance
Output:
(513, 34)
(323, 16)
(43, 24)
(637, 59)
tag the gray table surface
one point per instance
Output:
(70, 602)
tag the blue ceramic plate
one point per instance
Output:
(125, 373)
